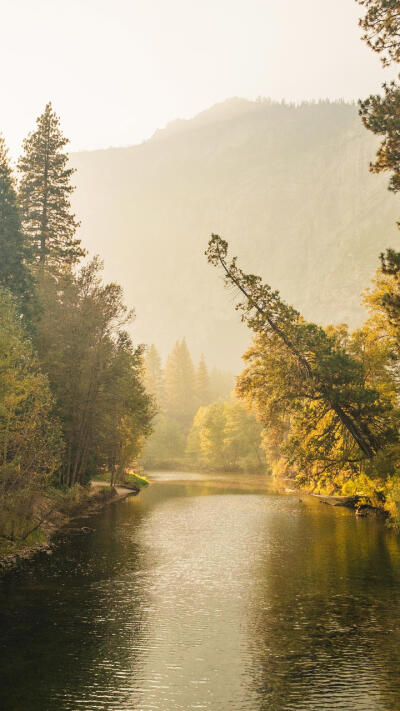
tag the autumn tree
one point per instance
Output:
(225, 436)
(44, 195)
(299, 369)
(243, 438)
(30, 437)
(205, 443)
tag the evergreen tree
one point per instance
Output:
(297, 366)
(381, 25)
(202, 383)
(180, 385)
(381, 114)
(153, 375)
(94, 371)
(14, 273)
(45, 189)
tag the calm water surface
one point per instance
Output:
(202, 594)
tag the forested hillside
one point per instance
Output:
(289, 186)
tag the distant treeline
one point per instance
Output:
(72, 399)
(200, 424)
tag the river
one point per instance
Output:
(205, 593)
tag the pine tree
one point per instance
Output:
(381, 25)
(297, 362)
(44, 195)
(202, 383)
(180, 385)
(380, 113)
(14, 273)
(153, 375)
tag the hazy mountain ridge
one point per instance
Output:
(288, 186)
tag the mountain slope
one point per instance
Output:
(289, 187)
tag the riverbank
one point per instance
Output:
(89, 502)
(359, 503)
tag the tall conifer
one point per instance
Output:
(14, 273)
(45, 190)
(153, 375)
(202, 383)
(180, 385)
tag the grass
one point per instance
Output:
(137, 479)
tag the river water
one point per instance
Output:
(202, 593)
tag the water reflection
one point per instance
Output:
(325, 631)
(206, 594)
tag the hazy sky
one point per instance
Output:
(116, 71)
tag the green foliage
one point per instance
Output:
(153, 375)
(380, 114)
(95, 372)
(44, 195)
(178, 392)
(225, 436)
(308, 369)
(381, 25)
(74, 403)
(328, 400)
(180, 386)
(165, 448)
(30, 436)
(137, 479)
(14, 272)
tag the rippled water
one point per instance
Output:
(202, 594)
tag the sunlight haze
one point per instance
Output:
(117, 71)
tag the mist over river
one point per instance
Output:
(206, 593)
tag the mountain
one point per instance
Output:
(287, 186)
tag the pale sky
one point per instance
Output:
(116, 71)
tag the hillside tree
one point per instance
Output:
(44, 195)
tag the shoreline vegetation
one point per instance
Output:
(73, 403)
(316, 405)
(328, 399)
(84, 503)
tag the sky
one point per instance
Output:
(116, 71)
